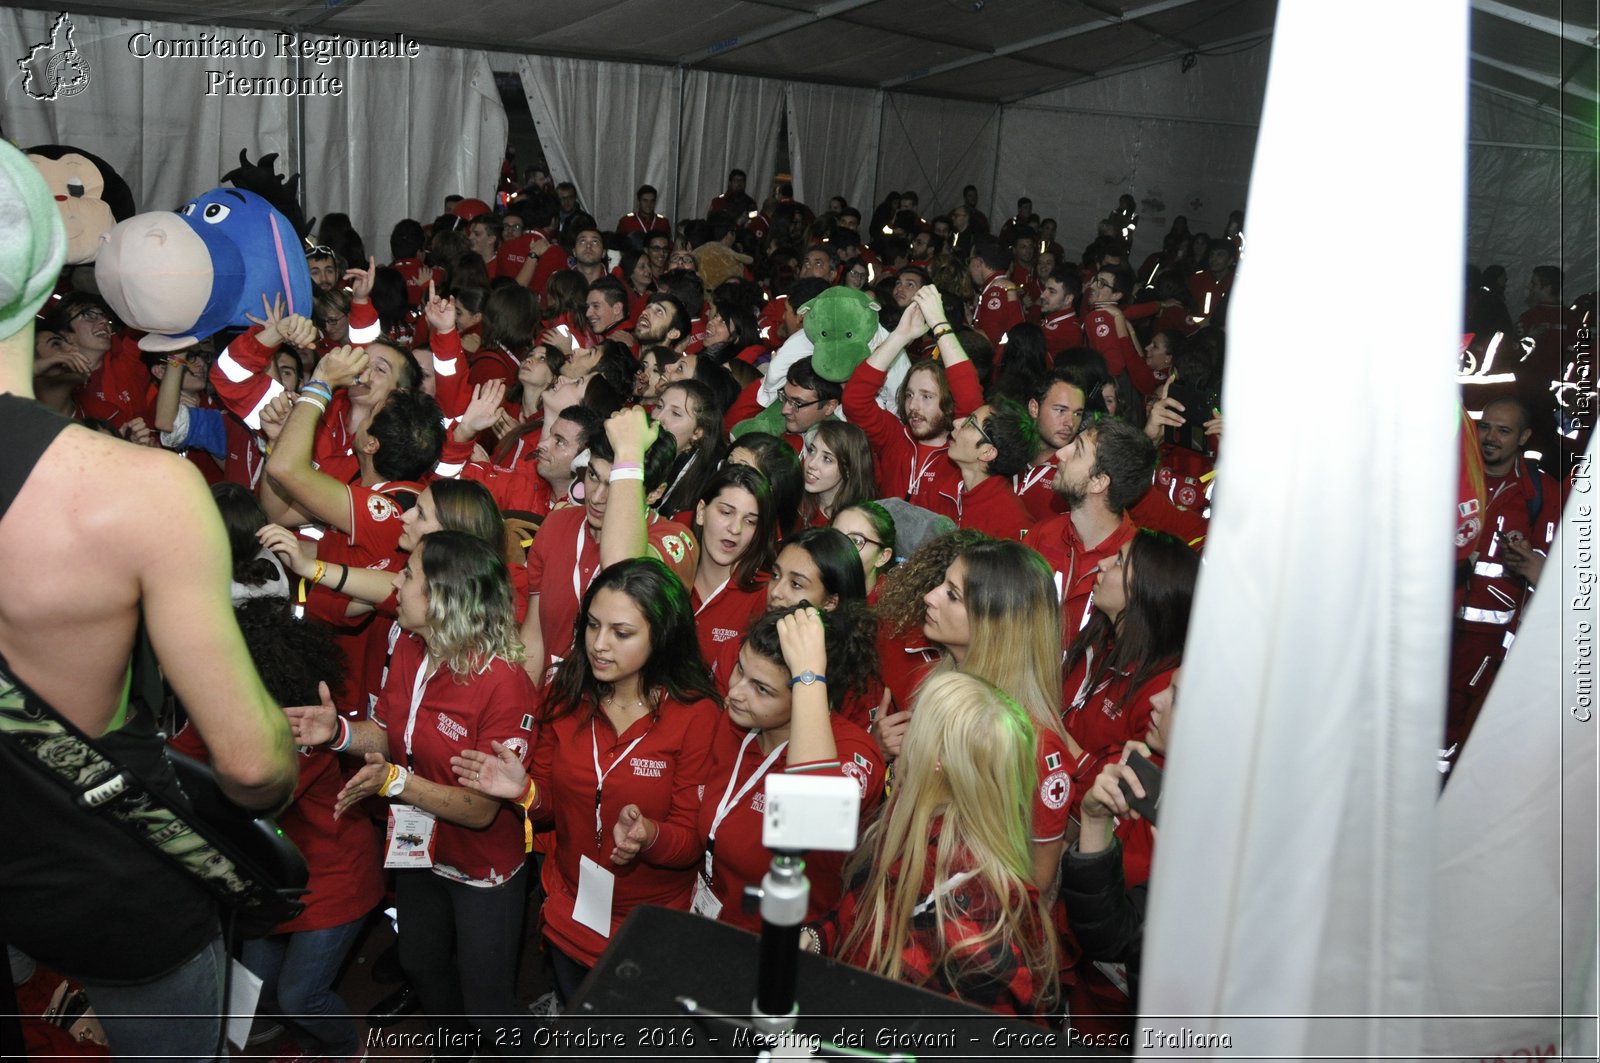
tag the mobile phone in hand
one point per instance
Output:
(1150, 778)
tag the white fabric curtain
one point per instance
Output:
(150, 119)
(729, 123)
(833, 144)
(606, 127)
(402, 135)
(1295, 861)
(934, 148)
(405, 134)
(1514, 886)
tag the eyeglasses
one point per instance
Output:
(789, 402)
(1098, 283)
(860, 541)
(89, 314)
(972, 422)
(329, 322)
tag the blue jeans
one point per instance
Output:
(297, 972)
(176, 1017)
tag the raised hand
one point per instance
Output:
(361, 280)
(341, 366)
(488, 402)
(498, 776)
(803, 642)
(271, 321)
(441, 313)
(274, 415)
(295, 554)
(314, 725)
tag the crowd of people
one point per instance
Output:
(580, 615)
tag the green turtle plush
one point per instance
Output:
(840, 324)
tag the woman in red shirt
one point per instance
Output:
(779, 721)
(837, 466)
(1129, 649)
(940, 893)
(734, 524)
(455, 683)
(625, 737)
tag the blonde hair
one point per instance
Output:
(968, 759)
(1014, 623)
(471, 617)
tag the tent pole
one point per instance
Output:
(300, 137)
(677, 155)
(994, 181)
(877, 161)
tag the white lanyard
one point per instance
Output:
(917, 471)
(418, 685)
(579, 584)
(600, 776)
(713, 595)
(926, 904)
(731, 799)
(1026, 482)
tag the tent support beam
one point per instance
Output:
(1043, 39)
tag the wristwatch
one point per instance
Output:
(396, 785)
(808, 677)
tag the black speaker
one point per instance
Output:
(628, 1005)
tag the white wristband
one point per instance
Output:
(626, 474)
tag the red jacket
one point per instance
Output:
(919, 473)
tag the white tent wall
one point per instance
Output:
(729, 123)
(1180, 143)
(833, 144)
(1530, 203)
(148, 119)
(404, 134)
(606, 127)
(934, 148)
(402, 137)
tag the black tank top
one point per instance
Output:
(76, 893)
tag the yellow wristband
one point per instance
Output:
(394, 773)
(321, 570)
(529, 797)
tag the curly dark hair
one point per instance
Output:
(292, 655)
(850, 636)
(900, 595)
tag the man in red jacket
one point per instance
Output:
(999, 299)
(989, 447)
(1519, 525)
(1104, 470)
(910, 451)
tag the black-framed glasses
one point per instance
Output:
(860, 541)
(972, 422)
(89, 313)
(789, 402)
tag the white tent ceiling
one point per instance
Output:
(996, 51)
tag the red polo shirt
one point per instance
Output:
(738, 859)
(1077, 563)
(664, 773)
(453, 715)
